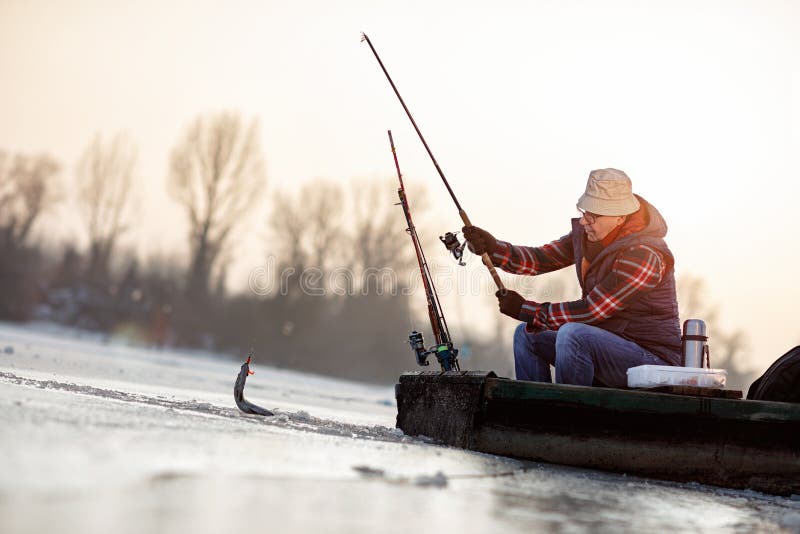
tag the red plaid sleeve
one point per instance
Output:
(636, 270)
(534, 260)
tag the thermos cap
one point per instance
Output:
(694, 327)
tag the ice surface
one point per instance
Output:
(99, 437)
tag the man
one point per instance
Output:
(628, 312)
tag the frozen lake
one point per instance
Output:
(99, 437)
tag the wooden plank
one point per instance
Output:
(637, 401)
(696, 391)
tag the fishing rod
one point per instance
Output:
(485, 257)
(444, 350)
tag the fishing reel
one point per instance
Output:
(452, 244)
(445, 353)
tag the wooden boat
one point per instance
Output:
(720, 441)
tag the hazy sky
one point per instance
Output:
(699, 102)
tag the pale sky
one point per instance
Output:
(699, 102)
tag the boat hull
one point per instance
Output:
(724, 442)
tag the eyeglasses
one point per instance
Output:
(590, 217)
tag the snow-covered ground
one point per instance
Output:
(99, 437)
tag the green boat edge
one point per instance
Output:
(731, 443)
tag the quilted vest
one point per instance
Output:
(651, 318)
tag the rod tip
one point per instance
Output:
(364, 37)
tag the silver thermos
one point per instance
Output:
(695, 344)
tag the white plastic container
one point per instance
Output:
(653, 376)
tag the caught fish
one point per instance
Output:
(238, 391)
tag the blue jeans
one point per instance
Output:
(581, 354)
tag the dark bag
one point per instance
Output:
(781, 382)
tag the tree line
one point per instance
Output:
(350, 235)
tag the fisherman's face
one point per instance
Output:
(599, 226)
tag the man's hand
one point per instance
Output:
(510, 302)
(479, 240)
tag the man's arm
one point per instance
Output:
(637, 270)
(521, 260)
(534, 260)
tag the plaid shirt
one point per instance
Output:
(636, 269)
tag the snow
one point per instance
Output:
(100, 437)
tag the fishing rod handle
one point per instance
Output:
(487, 261)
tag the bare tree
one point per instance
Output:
(216, 174)
(378, 235)
(6, 184)
(325, 211)
(288, 227)
(27, 189)
(105, 175)
(308, 226)
(356, 226)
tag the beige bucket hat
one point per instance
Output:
(608, 192)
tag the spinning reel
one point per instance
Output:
(452, 244)
(445, 353)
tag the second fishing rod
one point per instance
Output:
(464, 218)
(445, 352)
